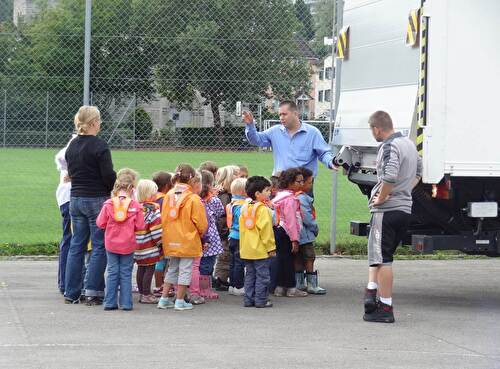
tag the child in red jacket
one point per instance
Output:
(120, 217)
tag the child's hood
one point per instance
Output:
(282, 196)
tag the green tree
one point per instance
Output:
(303, 14)
(6, 10)
(120, 66)
(141, 124)
(226, 50)
(324, 18)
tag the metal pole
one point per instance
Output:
(88, 35)
(337, 25)
(47, 120)
(5, 118)
(133, 120)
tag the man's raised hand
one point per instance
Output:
(247, 117)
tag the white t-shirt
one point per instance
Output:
(63, 191)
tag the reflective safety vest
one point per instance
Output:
(229, 211)
(120, 207)
(173, 201)
(249, 214)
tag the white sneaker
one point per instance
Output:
(238, 291)
(230, 290)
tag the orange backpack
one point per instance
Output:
(249, 214)
(173, 201)
(229, 211)
(120, 207)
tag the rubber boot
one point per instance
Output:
(206, 290)
(312, 284)
(194, 288)
(300, 281)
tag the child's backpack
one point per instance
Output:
(174, 200)
(120, 207)
(249, 214)
(229, 211)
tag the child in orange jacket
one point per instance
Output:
(184, 222)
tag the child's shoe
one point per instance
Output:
(158, 291)
(181, 305)
(165, 303)
(293, 292)
(206, 290)
(237, 291)
(195, 300)
(148, 299)
(268, 304)
(220, 285)
(279, 292)
(312, 284)
(300, 283)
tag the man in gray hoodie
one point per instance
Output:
(399, 168)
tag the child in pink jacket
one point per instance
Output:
(120, 217)
(287, 231)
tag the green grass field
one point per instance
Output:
(28, 180)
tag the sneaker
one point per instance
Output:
(165, 303)
(268, 304)
(230, 290)
(237, 291)
(248, 304)
(109, 308)
(158, 291)
(181, 305)
(220, 285)
(383, 314)
(279, 292)
(196, 300)
(71, 302)
(93, 301)
(148, 299)
(370, 300)
(293, 292)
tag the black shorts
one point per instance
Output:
(387, 230)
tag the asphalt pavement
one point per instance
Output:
(447, 316)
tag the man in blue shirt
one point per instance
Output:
(294, 143)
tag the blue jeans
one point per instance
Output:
(84, 211)
(257, 280)
(119, 274)
(207, 265)
(64, 245)
(236, 265)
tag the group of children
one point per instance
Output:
(194, 230)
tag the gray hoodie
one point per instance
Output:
(399, 164)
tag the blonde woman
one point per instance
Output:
(90, 170)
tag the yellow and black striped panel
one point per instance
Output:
(412, 28)
(343, 43)
(422, 87)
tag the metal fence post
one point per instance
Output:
(133, 121)
(47, 120)
(5, 118)
(88, 35)
(337, 24)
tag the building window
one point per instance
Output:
(328, 73)
(321, 75)
(328, 95)
(320, 96)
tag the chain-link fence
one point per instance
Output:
(166, 76)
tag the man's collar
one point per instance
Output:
(393, 136)
(303, 127)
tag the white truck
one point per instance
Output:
(434, 66)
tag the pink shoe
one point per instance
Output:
(206, 288)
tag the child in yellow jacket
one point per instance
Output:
(257, 242)
(184, 221)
